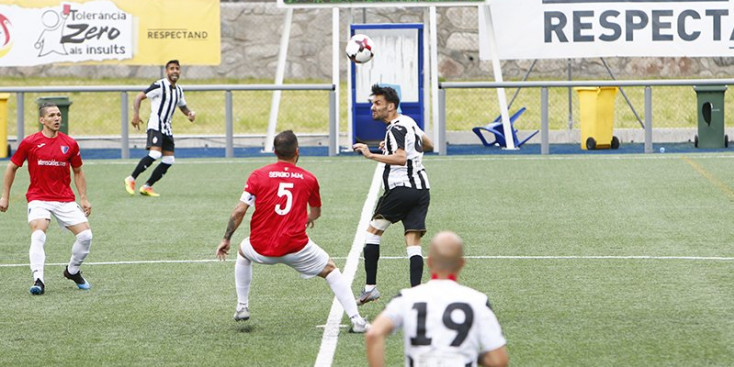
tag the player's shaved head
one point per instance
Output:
(446, 254)
(285, 145)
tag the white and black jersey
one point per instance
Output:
(404, 133)
(444, 324)
(164, 99)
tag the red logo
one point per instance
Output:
(6, 41)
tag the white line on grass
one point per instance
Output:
(331, 331)
(531, 157)
(480, 257)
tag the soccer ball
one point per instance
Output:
(360, 49)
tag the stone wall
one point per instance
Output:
(251, 33)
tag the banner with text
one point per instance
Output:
(552, 29)
(134, 32)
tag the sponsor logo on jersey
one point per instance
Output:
(40, 145)
(54, 163)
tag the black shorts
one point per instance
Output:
(157, 139)
(405, 204)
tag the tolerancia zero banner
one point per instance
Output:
(135, 32)
(551, 29)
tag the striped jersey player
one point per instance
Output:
(165, 96)
(444, 323)
(407, 195)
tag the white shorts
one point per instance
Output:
(66, 213)
(309, 262)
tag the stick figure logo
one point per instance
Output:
(53, 29)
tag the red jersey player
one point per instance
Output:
(286, 200)
(50, 153)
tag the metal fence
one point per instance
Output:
(225, 111)
(643, 117)
(220, 108)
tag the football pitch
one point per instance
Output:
(588, 260)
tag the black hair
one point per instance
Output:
(44, 106)
(391, 96)
(285, 144)
(174, 61)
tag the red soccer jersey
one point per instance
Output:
(282, 193)
(48, 165)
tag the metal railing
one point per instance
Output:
(545, 85)
(333, 123)
(227, 89)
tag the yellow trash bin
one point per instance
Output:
(596, 105)
(4, 147)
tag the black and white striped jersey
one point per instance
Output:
(404, 133)
(444, 324)
(164, 99)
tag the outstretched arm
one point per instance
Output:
(80, 181)
(191, 115)
(427, 143)
(235, 219)
(375, 340)
(313, 214)
(8, 179)
(136, 109)
(495, 358)
(396, 159)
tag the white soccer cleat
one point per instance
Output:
(368, 296)
(242, 313)
(359, 326)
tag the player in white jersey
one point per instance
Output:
(407, 193)
(164, 96)
(443, 323)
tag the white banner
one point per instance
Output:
(69, 32)
(552, 29)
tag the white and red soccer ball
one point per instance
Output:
(360, 49)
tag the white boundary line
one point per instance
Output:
(358, 248)
(331, 331)
(468, 157)
(479, 257)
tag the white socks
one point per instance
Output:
(343, 292)
(413, 251)
(242, 279)
(372, 239)
(36, 253)
(80, 250)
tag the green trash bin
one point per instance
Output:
(710, 117)
(63, 103)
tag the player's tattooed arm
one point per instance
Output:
(235, 219)
(238, 214)
(231, 227)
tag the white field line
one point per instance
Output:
(532, 157)
(331, 330)
(479, 257)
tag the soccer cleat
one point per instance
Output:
(38, 288)
(130, 185)
(148, 191)
(360, 326)
(77, 278)
(366, 296)
(242, 313)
